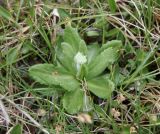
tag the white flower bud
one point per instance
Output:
(80, 59)
(55, 12)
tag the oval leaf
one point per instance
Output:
(115, 44)
(101, 87)
(73, 101)
(82, 72)
(47, 91)
(65, 56)
(12, 55)
(82, 47)
(48, 74)
(97, 66)
(72, 37)
(93, 51)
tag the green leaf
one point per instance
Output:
(47, 91)
(17, 129)
(72, 37)
(125, 130)
(83, 3)
(92, 33)
(101, 87)
(45, 36)
(63, 14)
(82, 72)
(99, 64)
(93, 51)
(12, 55)
(48, 74)
(140, 55)
(116, 76)
(100, 111)
(66, 57)
(87, 103)
(4, 13)
(26, 47)
(113, 32)
(73, 101)
(115, 44)
(99, 23)
(158, 1)
(68, 50)
(82, 47)
(112, 5)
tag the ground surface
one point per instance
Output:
(29, 31)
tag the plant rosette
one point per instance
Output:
(79, 70)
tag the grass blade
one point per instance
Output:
(112, 5)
